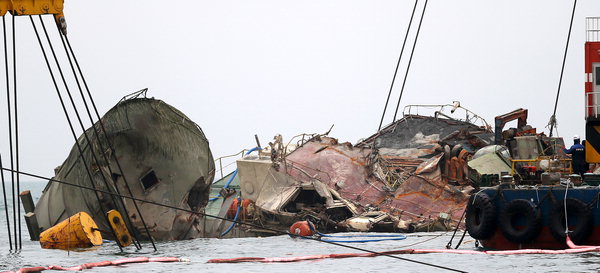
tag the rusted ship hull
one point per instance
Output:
(163, 157)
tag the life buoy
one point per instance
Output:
(302, 228)
(480, 216)
(520, 221)
(581, 221)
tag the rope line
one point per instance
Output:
(562, 70)
(237, 221)
(397, 65)
(410, 59)
(449, 245)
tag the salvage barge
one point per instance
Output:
(541, 204)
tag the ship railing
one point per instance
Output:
(449, 111)
(592, 104)
(564, 161)
(223, 170)
(592, 29)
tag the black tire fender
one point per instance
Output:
(480, 218)
(577, 210)
(525, 212)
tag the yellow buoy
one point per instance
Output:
(78, 231)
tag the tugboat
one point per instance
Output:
(540, 203)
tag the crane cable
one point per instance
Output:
(86, 137)
(109, 144)
(410, 59)
(14, 40)
(230, 220)
(397, 65)
(101, 146)
(552, 122)
(1, 166)
(64, 108)
(96, 133)
(13, 142)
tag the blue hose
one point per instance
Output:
(390, 237)
(226, 185)
(364, 241)
(234, 174)
(237, 213)
(365, 235)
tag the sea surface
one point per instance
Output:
(199, 251)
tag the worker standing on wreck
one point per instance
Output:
(577, 152)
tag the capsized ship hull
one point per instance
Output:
(165, 158)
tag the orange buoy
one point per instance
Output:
(303, 228)
(78, 231)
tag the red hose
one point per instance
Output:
(99, 264)
(573, 248)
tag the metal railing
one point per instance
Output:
(592, 29)
(219, 173)
(448, 111)
(592, 104)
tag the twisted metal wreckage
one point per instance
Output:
(410, 176)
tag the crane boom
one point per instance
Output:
(36, 7)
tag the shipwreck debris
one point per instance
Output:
(410, 176)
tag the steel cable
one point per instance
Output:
(562, 70)
(397, 65)
(410, 59)
(2, 166)
(128, 221)
(64, 108)
(12, 155)
(14, 39)
(108, 141)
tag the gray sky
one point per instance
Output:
(240, 68)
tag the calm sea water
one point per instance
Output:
(201, 250)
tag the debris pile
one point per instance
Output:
(411, 176)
